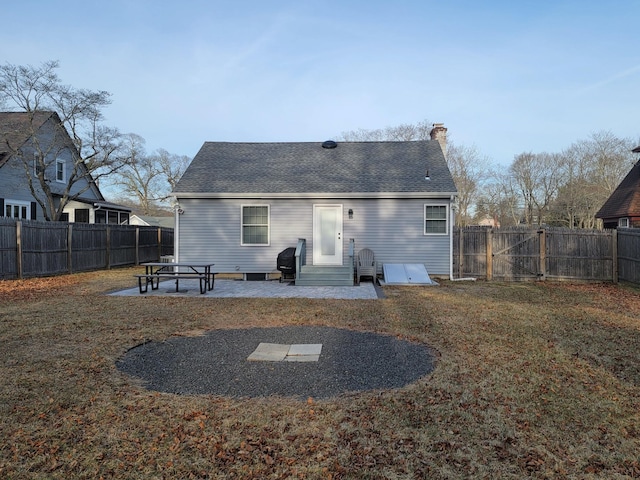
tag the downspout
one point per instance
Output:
(453, 219)
(96, 207)
(451, 223)
(176, 232)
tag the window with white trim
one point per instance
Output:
(255, 225)
(15, 209)
(623, 223)
(60, 171)
(436, 220)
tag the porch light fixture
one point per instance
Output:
(426, 175)
(350, 213)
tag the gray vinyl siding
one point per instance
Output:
(209, 230)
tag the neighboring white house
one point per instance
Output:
(240, 204)
(19, 131)
(150, 221)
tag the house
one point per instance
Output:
(150, 221)
(25, 135)
(622, 208)
(240, 204)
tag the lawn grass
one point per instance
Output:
(536, 380)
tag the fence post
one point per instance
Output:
(69, 247)
(542, 268)
(460, 253)
(614, 254)
(489, 254)
(19, 248)
(108, 253)
(137, 259)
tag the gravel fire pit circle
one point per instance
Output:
(216, 363)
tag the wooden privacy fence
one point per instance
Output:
(35, 249)
(629, 254)
(547, 253)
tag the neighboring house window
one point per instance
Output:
(81, 215)
(100, 216)
(623, 223)
(435, 220)
(255, 225)
(14, 209)
(60, 171)
(37, 164)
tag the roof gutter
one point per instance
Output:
(318, 195)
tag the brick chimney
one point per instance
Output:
(439, 133)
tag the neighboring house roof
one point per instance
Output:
(16, 128)
(625, 199)
(222, 168)
(167, 222)
(110, 206)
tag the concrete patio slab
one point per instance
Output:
(227, 288)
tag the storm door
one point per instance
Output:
(327, 234)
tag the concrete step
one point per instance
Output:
(314, 275)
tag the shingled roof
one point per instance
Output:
(625, 200)
(222, 168)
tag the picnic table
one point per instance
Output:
(154, 271)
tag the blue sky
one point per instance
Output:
(505, 76)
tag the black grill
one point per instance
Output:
(286, 262)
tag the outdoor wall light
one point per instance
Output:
(350, 213)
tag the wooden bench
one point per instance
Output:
(176, 271)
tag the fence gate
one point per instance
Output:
(545, 253)
(515, 254)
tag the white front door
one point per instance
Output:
(327, 234)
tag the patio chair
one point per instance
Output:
(366, 265)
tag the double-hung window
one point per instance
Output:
(255, 225)
(38, 164)
(60, 171)
(435, 220)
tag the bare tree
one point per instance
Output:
(536, 178)
(592, 169)
(172, 166)
(95, 149)
(499, 200)
(149, 179)
(470, 171)
(404, 132)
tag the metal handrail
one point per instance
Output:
(352, 253)
(301, 255)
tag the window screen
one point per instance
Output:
(255, 225)
(435, 219)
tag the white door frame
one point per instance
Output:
(327, 234)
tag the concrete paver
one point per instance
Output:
(269, 352)
(305, 349)
(277, 352)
